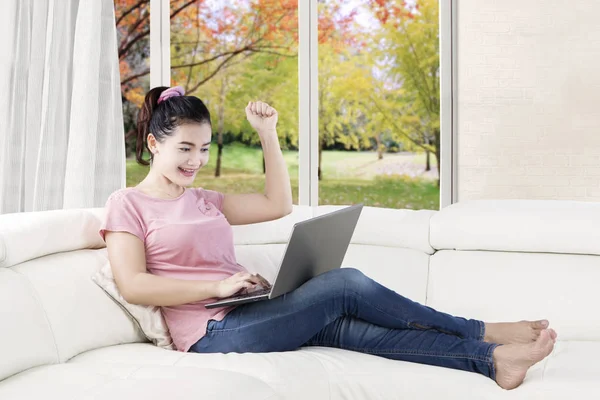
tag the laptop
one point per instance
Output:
(316, 245)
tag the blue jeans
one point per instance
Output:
(345, 309)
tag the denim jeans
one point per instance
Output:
(345, 309)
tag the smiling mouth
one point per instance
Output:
(187, 172)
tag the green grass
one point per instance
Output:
(348, 177)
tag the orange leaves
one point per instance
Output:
(127, 12)
(135, 95)
(124, 69)
(393, 10)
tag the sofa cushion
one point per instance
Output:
(28, 235)
(26, 340)
(566, 374)
(504, 286)
(295, 374)
(79, 314)
(277, 231)
(390, 228)
(128, 382)
(148, 318)
(327, 373)
(261, 258)
(400, 269)
(543, 226)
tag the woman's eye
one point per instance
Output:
(204, 150)
(185, 149)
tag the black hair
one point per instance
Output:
(162, 119)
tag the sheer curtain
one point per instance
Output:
(61, 121)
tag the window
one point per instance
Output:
(379, 111)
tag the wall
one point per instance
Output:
(528, 99)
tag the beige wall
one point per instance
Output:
(528, 99)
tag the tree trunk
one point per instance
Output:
(220, 128)
(319, 171)
(427, 161)
(437, 154)
(379, 147)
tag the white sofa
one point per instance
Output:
(62, 337)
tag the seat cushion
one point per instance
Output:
(568, 373)
(327, 373)
(99, 381)
(296, 374)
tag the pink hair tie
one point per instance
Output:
(170, 92)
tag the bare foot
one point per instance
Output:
(515, 332)
(513, 360)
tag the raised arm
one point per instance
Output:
(276, 202)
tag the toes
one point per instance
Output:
(546, 339)
(545, 336)
(540, 324)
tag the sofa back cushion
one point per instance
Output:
(511, 286)
(80, 315)
(28, 235)
(26, 339)
(391, 247)
(506, 260)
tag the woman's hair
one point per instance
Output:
(162, 118)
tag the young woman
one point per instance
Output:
(171, 245)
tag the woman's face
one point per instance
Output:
(182, 154)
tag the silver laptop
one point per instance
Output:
(316, 245)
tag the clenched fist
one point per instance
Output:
(262, 117)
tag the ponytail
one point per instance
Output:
(143, 123)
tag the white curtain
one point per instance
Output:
(61, 119)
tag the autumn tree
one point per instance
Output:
(409, 41)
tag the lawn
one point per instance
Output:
(348, 177)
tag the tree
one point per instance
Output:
(409, 44)
(344, 78)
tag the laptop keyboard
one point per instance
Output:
(259, 292)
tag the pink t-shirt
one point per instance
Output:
(185, 238)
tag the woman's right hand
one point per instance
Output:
(242, 280)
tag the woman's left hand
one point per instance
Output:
(262, 117)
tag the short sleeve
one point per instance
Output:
(121, 216)
(212, 196)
